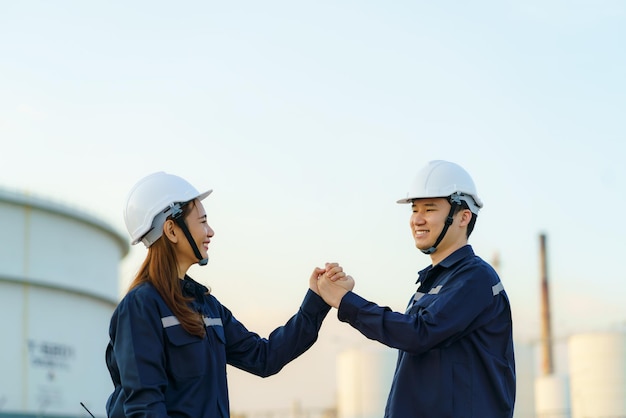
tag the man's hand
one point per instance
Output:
(334, 284)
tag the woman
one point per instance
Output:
(170, 338)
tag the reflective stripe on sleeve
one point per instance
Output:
(435, 290)
(497, 288)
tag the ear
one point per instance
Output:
(169, 231)
(466, 217)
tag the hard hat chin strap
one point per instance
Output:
(177, 216)
(455, 202)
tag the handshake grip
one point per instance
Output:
(333, 284)
(346, 282)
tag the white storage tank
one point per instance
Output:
(525, 380)
(364, 378)
(59, 272)
(597, 367)
(552, 396)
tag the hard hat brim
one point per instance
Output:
(201, 196)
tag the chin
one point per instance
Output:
(422, 247)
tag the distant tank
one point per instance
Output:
(364, 378)
(59, 281)
(597, 368)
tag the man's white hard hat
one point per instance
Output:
(444, 179)
(150, 201)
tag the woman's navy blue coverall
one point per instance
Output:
(455, 342)
(160, 370)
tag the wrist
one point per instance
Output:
(339, 298)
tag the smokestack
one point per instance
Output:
(546, 327)
(495, 262)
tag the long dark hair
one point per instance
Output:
(160, 268)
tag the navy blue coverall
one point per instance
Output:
(455, 342)
(160, 370)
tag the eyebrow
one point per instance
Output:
(428, 204)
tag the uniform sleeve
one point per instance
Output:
(138, 349)
(445, 318)
(263, 357)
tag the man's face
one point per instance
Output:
(427, 220)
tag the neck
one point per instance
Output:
(440, 255)
(182, 270)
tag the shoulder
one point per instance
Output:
(466, 258)
(216, 306)
(481, 277)
(144, 291)
(472, 269)
(144, 297)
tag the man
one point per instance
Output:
(455, 339)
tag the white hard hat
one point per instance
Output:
(444, 179)
(150, 201)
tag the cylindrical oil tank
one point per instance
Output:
(525, 381)
(597, 367)
(552, 396)
(59, 272)
(364, 378)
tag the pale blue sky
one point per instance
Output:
(309, 119)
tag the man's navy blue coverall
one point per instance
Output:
(160, 370)
(455, 342)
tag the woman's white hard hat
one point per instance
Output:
(150, 201)
(444, 179)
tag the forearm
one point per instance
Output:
(409, 333)
(265, 357)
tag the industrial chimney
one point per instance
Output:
(547, 367)
(551, 389)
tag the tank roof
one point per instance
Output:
(46, 205)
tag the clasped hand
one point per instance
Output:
(331, 283)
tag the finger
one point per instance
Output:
(350, 282)
(317, 272)
(335, 270)
(337, 276)
(330, 266)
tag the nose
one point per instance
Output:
(416, 219)
(210, 232)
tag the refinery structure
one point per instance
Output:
(59, 271)
(594, 385)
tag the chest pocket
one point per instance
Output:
(421, 301)
(215, 324)
(186, 353)
(190, 356)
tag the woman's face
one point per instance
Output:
(200, 231)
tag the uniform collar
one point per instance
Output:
(449, 261)
(192, 288)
